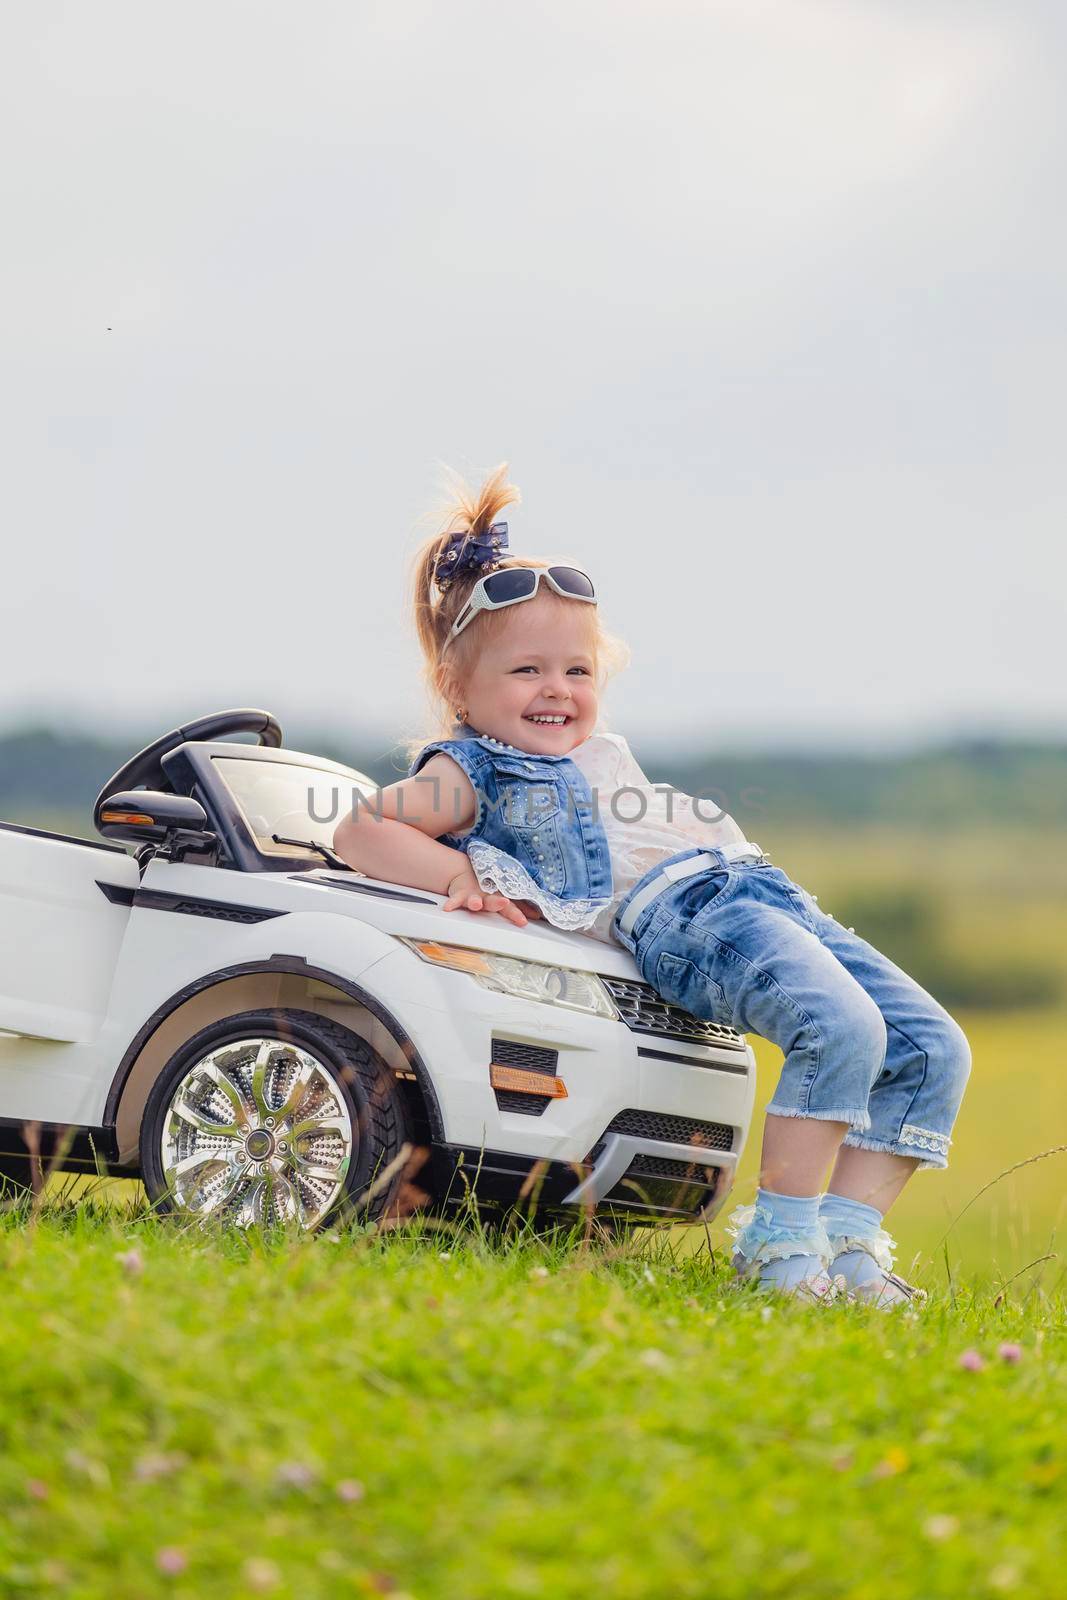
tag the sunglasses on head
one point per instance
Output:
(510, 585)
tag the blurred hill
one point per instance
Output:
(956, 785)
(959, 785)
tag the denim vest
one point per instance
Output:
(537, 808)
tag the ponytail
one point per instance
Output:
(466, 512)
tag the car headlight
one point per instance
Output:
(526, 980)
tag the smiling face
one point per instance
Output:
(535, 660)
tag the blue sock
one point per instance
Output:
(847, 1223)
(784, 1239)
(849, 1217)
(790, 1210)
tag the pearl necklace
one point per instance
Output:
(500, 744)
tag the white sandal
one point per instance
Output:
(819, 1289)
(892, 1291)
(884, 1288)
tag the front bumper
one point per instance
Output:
(653, 1123)
(627, 1177)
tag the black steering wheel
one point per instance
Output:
(145, 769)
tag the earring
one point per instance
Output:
(461, 715)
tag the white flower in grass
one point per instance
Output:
(262, 1575)
(295, 1475)
(158, 1464)
(941, 1527)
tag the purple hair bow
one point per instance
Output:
(470, 552)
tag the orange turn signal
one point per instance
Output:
(453, 955)
(527, 1082)
(128, 816)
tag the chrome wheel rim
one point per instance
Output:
(257, 1132)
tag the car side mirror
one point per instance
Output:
(177, 822)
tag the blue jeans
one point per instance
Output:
(863, 1043)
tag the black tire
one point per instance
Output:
(516, 1222)
(616, 1227)
(15, 1177)
(352, 1073)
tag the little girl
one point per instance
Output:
(521, 809)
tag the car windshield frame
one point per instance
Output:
(194, 769)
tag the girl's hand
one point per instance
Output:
(466, 894)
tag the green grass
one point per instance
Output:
(424, 1413)
(527, 1418)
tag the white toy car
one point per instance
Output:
(262, 1034)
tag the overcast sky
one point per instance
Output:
(764, 302)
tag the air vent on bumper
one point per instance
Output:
(528, 1058)
(654, 1186)
(672, 1129)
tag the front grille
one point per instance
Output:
(531, 1057)
(645, 1011)
(672, 1130)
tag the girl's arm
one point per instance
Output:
(394, 837)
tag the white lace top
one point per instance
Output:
(644, 823)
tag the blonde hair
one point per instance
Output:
(445, 672)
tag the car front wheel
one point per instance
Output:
(270, 1117)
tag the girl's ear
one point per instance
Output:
(450, 691)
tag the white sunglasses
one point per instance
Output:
(509, 586)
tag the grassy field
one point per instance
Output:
(427, 1414)
(431, 1413)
